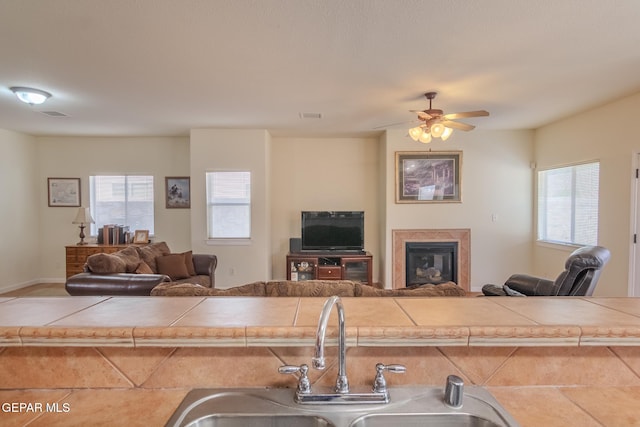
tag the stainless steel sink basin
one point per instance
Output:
(260, 420)
(409, 406)
(423, 420)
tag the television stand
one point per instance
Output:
(356, 266)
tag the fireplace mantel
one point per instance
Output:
(460, 235)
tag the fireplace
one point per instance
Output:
(431, 262)
(460, 266)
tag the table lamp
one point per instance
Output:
(83, 217)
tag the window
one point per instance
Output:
(124, 200)
(229, 205)
(568, 204)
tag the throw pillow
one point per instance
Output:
(188, 260)
(143, 268)
(172, 265)
(150, 252)
(106, 264)
(130, 257)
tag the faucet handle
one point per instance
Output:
(304, 385)
(380, 383)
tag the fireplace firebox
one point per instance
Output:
(431, 262)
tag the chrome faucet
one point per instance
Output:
(342, 383)
(340, 393)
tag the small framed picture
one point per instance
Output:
(63, 192)
(178, 189)
(141, 236)
(428, 176)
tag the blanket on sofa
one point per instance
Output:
(309, 288)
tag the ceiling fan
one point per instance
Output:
(439, 125)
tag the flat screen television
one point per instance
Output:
(333, 231)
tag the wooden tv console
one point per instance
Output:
(330, 266)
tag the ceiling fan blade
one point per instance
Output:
(457, 125)
(479, 113)
(396, 124)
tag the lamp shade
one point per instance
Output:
(437, 129)
(83, 217)
(415, 132)
(425, 138)
(446, 134)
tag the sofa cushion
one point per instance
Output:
(106, 264)
(191, 289)
(310, 288)
(448, 289)
(188, 260)
(200, 279)
(143, 268)
(150, 252)
(131, 258)
(172, 265)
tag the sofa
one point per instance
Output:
(136, 270)
(308, 288)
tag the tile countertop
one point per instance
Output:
(260, 321)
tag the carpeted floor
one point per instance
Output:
(39, 290)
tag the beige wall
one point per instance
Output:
(323, 174)
(19, 211)
(615, 144)
(80, 157)
(231, 149)
(496, 180)
(294, 174)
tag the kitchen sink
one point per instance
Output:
(423, 420)
(260, 420)
(409, 406)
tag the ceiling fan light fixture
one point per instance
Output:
(415, 133)
(447, 133)
(29, 95)
(425, 138)
(434, 122)
(437, 129)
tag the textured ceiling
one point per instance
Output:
(162, 67)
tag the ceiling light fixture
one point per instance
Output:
(29, 95)
(436, 124)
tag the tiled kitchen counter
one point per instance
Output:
(549, 361)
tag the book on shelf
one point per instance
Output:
(113, 234)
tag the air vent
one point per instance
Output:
(54, 113)
(310, 115)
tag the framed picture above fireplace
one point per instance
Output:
(428, 176)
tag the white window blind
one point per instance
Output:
(228, 205)
(124, 200)
(568, 204)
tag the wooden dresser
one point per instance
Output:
(77, 255)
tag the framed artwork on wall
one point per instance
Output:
(63, 192)
(178, 190)
(428, 176)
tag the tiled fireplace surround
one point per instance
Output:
(401, 237)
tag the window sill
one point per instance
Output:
(558, 245)
(228, 242)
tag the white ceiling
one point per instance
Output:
(162, 67)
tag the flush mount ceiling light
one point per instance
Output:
(29, 95)
(436, 124)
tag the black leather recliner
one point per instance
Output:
(581, 274)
